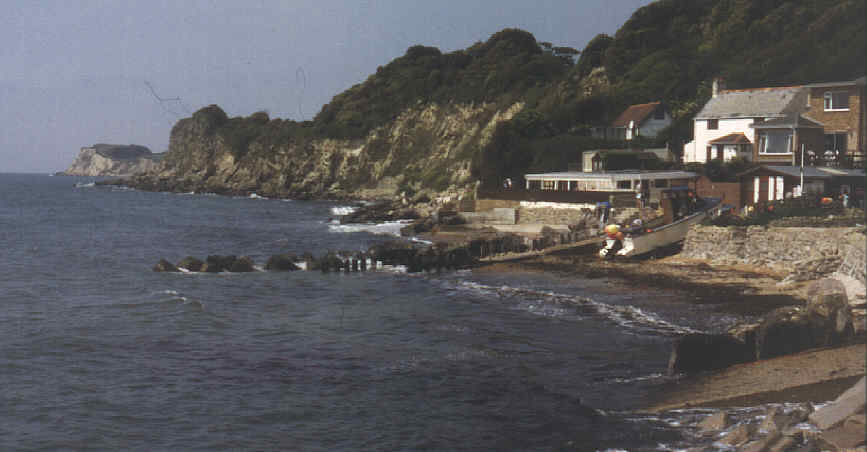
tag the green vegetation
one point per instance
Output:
(807, 207)
(667, 51)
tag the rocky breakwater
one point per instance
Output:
(113, 160)
(428, 147)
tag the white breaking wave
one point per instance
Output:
(339, 211)
(387, 228)
(255, 196)
(552, 304)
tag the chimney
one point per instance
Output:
(719, 84)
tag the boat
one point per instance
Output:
(641, 240)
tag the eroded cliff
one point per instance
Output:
(428, 148)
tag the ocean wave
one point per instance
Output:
(85, 184)
(387, 228)
(553, 304)
(339, 211)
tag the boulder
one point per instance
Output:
(217, 263)
(329, 262)
(282, 263)
(828, 303)
(739, 435)
(191, 264)
(165, 266)
(243, 264)
(793, 329)
(699, 352)
(777, 419)
(850, 402)
(715, 422)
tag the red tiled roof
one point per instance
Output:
(635, 113)
(732, 138)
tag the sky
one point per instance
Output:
(74, 72)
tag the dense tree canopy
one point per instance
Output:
(667, 51)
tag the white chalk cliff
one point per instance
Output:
(113, 160)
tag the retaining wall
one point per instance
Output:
(798, 249)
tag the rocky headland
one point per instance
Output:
(426, 150)
(113, 160)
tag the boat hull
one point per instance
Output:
(669, 234)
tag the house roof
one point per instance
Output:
(788, 123)
(755, 103)
(812, 172)
(613, 175)
(858, 81)
(637, 113)
(732, 138)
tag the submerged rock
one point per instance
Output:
(217, 263)
(243, 264)
(282, 263)
(190, 263)
(165, 266)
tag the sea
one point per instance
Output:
(99, 352)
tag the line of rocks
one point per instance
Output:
(836, 426)
(825, 320)
(415, 257)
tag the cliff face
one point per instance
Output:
(113, 160)
(426, 148)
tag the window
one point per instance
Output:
(547, 185)
(624, 184)
(659, 113)
(660, 183)
(837, 100)
(756, 183)
(775, 143)
(712, 124)
(835, 142)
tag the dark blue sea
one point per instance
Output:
(98, 352)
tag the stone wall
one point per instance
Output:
(497, 215)
(535, 215)
(488, 204)
(798, 249)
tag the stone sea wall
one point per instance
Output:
(800, 249)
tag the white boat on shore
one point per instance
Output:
(638, 241)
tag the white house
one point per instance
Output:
(733, 124)
(645, 120)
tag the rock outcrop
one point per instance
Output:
(113, 160)
(826, 320)
(428, 147)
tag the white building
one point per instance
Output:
(649, 183)
(727, 125)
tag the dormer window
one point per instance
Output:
(837, 100)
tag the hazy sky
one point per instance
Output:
(76, 73)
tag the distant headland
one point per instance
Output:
(112, 160)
